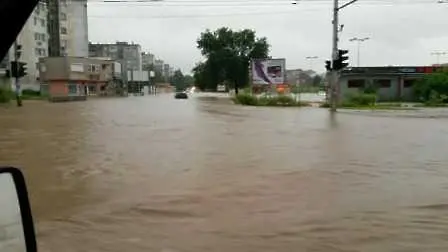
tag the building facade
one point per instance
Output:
(128, 54)
(73, 24)
(75, 78)
(391, 83)
(147, 59)
(34, 42)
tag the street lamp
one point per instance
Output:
(311, 58)
(438, 54)
(359, 40)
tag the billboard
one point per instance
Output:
(268, 71)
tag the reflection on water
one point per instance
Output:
(159, 174)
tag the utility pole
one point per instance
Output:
(334, 73)
(335, 53)
(359, 41)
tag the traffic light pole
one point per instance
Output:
(334, 73)
(17, 79)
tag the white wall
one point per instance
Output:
(77, 28)
(33, 46)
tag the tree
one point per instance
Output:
(188, 80)
(317, 80)
(432, 88)
(228, 54)
(177, 80)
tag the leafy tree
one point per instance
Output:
(317, 79)
(228, 54)
(432, 88)
(188, 80)
(178, 80)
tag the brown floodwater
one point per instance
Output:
(201, 175)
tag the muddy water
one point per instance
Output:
(158, 174)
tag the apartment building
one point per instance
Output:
(128, 54)
(73, 24)
(34, 41)
(147, 59)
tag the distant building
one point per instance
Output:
(147, 59)
(129, 55)
(75, 78)
(158, 65)
(393, 83)
(299, 77)
(166, 71)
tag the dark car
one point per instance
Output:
(181, 95)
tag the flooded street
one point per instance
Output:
(201, 175)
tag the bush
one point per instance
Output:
(360, 100)
(5, 95)
(30, 92)
(246, 99)
(280, 100)
(432, 89)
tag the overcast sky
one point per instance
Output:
(402, 32)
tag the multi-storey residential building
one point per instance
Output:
(147, 59)
(34, 41)
(158, 65)
(74, 39)
(166, 71)
(128, 54)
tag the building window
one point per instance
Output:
(92, 89)
(72, 89)
(44, 89)
(356, 83)
(408, 83)
(37, 9)
(383, 83)
(63, 30)
(40, 52)
(63, 16)
(39, 36)
(95, 68)
(35, 20)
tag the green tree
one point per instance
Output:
(432, 88)
(228, 54)
(317, 80)
(178, 80)
(188, 80)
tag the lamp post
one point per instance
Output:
(438, 54)
(359, 41)
(311, 58)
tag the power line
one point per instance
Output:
(218, 3)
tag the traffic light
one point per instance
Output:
(22, 69)
(18, 69)
(341, 63)
(328, 65)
